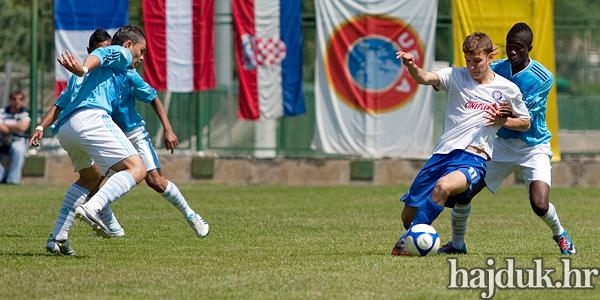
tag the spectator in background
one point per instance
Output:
(14, 131)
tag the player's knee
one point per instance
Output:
(137, 169)
(156, 182)
(540, 208)
(441, 190)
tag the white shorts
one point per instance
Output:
(90, 136)
(140, 138)
(513, 154)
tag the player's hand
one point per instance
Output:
(171, 140)
(494, 116)
(407, 58)
(72, 64)
(36, 138)
(505, 110)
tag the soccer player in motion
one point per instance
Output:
(458, 163)
(86, 131)
(528, 150)
(123, 114)
(130, 121)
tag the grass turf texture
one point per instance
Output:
(271, 242)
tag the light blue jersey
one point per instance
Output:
(535, 82)
(124, 112)
(97, 89)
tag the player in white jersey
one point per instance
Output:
(528, 150)
(458, 163)
(88, 134)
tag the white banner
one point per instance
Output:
(366, 102)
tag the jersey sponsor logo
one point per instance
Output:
(477, 105)
(361, 63)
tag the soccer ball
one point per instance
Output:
(422, 240)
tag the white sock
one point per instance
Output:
(109, 218)
(551, 219)
(460, 216)
(116, 186)
(74, 197)
(173, 195)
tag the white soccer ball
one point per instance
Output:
(422, 240)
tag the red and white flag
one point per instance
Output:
(180, 44)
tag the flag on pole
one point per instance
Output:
(76, 20)
(180, 44)
(366, 102)
(268, 42)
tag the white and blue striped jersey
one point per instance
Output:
(124, 112)
(535, 82)
(97, 89)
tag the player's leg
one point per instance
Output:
(537, 172)
(420, 189)
(108, 146)
(75, 196)
(159, 183)
(495, 175)
(107, 215)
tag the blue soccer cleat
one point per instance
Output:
(450, 249)
(565, 243)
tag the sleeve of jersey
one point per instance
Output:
(540, 96)
(142, 91)
(518, 107)
(114, 57)
(444, 77)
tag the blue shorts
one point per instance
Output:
(471, 165)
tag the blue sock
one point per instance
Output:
(428, 212)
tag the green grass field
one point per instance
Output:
(271, 242)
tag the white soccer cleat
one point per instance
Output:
(93, 219)
(198, 224)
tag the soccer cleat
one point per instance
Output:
(198, 224)
(565, 243)
(113, 233)
(59, 247)
(117, 233)
(399, 249)
(93, 219)
(115, 229)
(450, 249)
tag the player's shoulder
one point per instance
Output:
(506, 84)
(536, 69)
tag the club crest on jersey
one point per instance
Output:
(497, 95)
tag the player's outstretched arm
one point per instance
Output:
(48, 118)
(417, 73)
(72, 64)
(170, 137)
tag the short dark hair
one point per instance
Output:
(100, 35)
(477, 42)
(523, 30)
(128, 32)
(14, 95)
